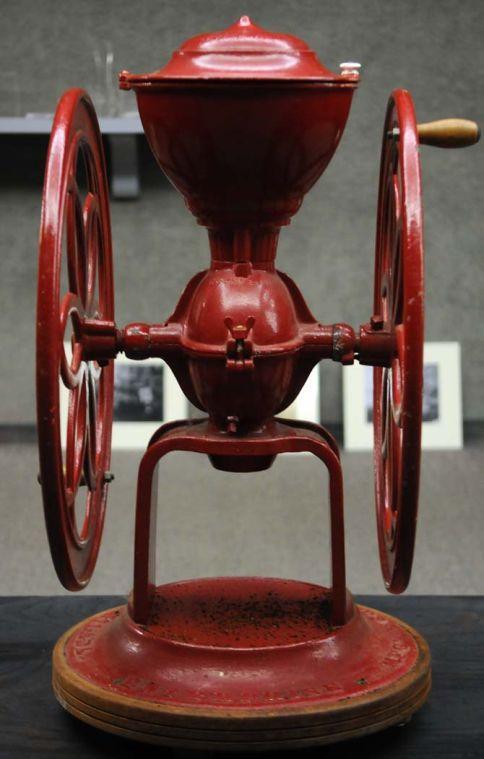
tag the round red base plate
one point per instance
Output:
(241, 663)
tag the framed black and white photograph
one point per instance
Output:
(146, 394)
(441, 408)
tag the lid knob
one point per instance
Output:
(350, 68)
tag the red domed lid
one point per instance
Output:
(243, 51)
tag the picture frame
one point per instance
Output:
(146, 394)
(442, 406)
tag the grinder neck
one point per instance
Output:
(243, 248)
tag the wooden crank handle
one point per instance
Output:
(447, 133)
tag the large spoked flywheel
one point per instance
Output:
(74, 396)
(399, 300)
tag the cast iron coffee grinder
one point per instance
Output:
(243, 122)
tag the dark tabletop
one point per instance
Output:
(450, 725)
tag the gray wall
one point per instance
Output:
(433, 48)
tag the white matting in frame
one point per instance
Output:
(146, 394)
(306, 406)
(442, 401)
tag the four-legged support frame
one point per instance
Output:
(200, 436)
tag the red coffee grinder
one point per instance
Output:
(243, 122)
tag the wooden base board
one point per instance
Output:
(225, 740)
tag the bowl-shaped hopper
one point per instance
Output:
(243, 122)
